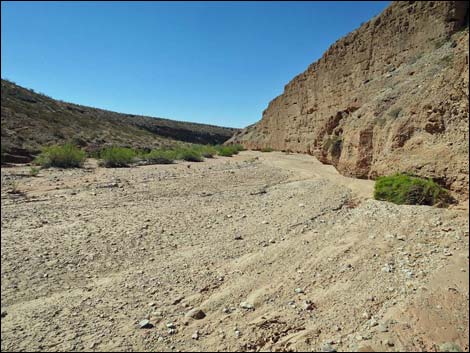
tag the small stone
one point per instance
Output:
(308, 305)
(382, 328)
(195, 335)
(366, 315)
(389, 343)
(327, 347)
(237, 334)
(145, 324)
(299, 290)
(4, 313)
(237, 237)
(171, 325)
(246, 305)
(171, 331)
(177, 300)
(196, 314)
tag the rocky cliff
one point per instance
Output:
(392, 96)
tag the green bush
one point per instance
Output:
(238, 147)
(160, 156)
(206, 151)
(267, 149)
(189, 154)
(117, 157)
(409, 190)
(66, 156)
(226, 151)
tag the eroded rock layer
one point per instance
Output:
(392, 96)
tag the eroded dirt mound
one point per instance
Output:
(392, 96)
(278, 251)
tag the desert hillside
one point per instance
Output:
(390, 96)
(31, 120)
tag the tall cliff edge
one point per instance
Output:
(391, 96)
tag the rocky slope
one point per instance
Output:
(391, 96)
(31, 120)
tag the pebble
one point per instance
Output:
(382, 328)
(171, 325)
(308, 305)
(246, 305)
(145, 324)
(195, 335)
(299, 290)
(196, 314)
(327, 347)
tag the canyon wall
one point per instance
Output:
(391, 96)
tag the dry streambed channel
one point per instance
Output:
(262, 251)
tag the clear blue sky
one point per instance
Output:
(211, 62)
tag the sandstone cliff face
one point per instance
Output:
(391, 96)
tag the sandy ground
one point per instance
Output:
(280, 252)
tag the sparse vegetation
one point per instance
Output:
(160, 156)
(33, 171)
(65, 156)
(267, 149)
(227, 151)
(206, 151)
(410, 190)
(117, 157)
(189, 154)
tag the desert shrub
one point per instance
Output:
(190, 154)
(65, 156)
(409, 190)
(117, 157)
(33, 171)
(160, 156)
(225, 151)
(238, 147)
(206, 151)
(267, 149)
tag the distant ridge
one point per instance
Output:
(31, 120)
